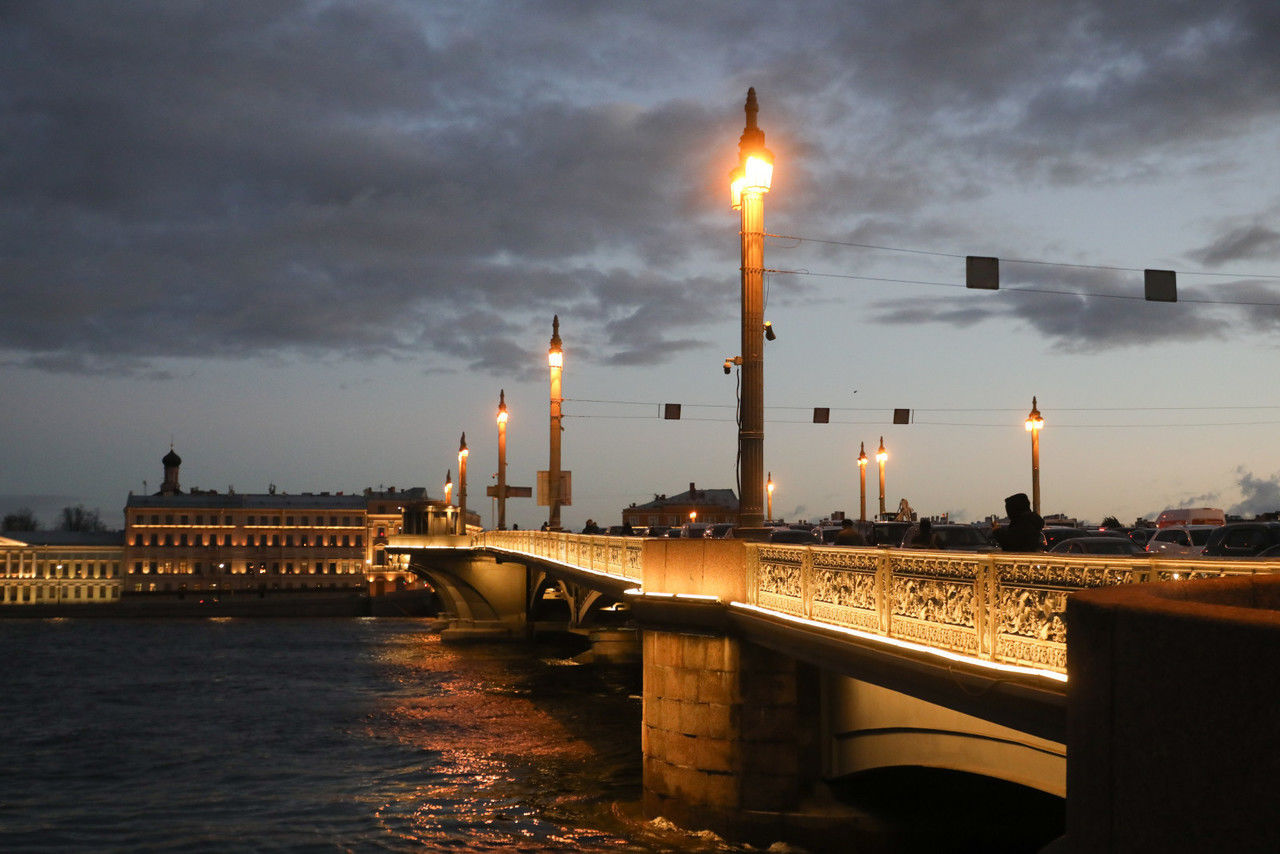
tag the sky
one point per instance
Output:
(308, 243)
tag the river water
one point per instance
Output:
(313, 735)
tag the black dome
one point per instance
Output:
(171, 459)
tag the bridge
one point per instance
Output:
(769, 668)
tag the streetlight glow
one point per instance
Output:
(1034, 424)
(881, 456)
(555, 361)
(463, 453)
(862, 481)
(768, 488)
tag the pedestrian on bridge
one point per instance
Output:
(1022, 534)
(849, 535)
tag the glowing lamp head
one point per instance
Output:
(555, 355)
(1034, 421)
(769, 484)
(693, 515)
(754, 172)
(862, 454)
(882, 454)
(502, 407)
(462, 449)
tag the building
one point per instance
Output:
(205, 540)
(60, 567)
(710, 505)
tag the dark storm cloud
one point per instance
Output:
(391, 179)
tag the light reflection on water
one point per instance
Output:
(313, 735)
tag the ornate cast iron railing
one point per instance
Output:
(1009, 608)
(620, 556)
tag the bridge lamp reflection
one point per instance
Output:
(1034, 424)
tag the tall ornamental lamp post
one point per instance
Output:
(881, 456)
(448, 499)
(555, 361)
(502, 460)
(462, 485)
(749, 181)
(1035, 424)
(862, 481)
(768, 489)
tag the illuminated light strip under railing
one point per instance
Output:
(907, 645)
(636, 592)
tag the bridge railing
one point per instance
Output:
(1008, 608)
(616, 556)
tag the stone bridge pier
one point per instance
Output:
(730, 736)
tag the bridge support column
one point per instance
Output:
(726, 735)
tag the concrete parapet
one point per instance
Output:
(713, 567)
(1172, 733)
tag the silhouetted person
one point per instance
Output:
(1022, 534)
(849, 535)
(591, 527)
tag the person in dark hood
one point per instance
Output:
(1022, 534)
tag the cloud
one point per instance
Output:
(1261, 495)
(379, 179)
(1243, 243)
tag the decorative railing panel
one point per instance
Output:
(620, 556)
(1001, 607)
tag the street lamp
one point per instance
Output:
(768, 488)
(502, 460)
(748, 182)
(881, 456)
(448, 489)
(862, 481)
(555, 361)
(462, 484)
(1035, 424)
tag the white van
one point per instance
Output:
(1191, 516)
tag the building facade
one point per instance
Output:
(202, 540)
(60, 567)
(710, 505)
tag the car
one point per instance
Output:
(794, 536)
(1180, 540)
(658, 531)
(826, 533)
(693, 530)
(1055, 534)
(887, 533)
(1242, 539)
(957, 537)
(1098, 546)
(718, 530)
(1142, 535)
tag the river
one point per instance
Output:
(313, 735)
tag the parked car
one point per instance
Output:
(1098, 546)
(1242, 539)
(718, 530)
(964, 538)
(1180, 540)
(826, 533)
(658, 531)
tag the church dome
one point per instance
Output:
(171, 459)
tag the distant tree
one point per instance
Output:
(1111, 522)
(79, 519)
(22, 520)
